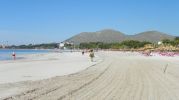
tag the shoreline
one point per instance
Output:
(38, 67)
(49, 63)
(112, 67)
(6, 54)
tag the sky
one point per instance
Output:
(46, 21)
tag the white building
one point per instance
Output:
(61, 45)
(160, 42)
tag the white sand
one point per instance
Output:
(41, 66)
(120, 76)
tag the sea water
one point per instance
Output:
(6, 54)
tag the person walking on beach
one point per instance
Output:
(14, 55)
(91, 55)
(83, 52)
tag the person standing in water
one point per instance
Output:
(14, 55)
(91, 55)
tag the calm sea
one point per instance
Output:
(6, 54)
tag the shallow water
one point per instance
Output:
(6, 54)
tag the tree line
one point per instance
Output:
(128, 44)
(35, 46)
(174, 42)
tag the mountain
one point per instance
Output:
(151, 36)
(110, 36)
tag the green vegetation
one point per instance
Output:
(174, 42)
(129, 44)
(134, 44)
(93, 45)
(37, 46)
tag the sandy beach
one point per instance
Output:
(42, 66)
(70, 76)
